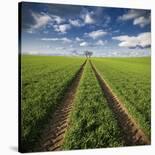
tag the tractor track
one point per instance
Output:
(131, 132)
(53, 135)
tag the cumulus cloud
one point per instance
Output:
(143, 40)
(142, 21)
(95, 17)
(101, 42)
(131, 14)
(84, 44)
(96, 34)
(62, 28)
(75, 22)
(88, 17)
(139, 17)
(40, 20)
(57, 19)
(78, 39)
(64, 39)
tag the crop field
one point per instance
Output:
(130, 78)
(92, 122)
(86, 120)
(44, 81)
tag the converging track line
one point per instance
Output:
(132, 133)
(53, 135)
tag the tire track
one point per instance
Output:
(53, 136)
(132, 133)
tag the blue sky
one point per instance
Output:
(52, 29)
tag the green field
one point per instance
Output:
(44, 82)
(92, 123)
(130, 79)
(45, 79)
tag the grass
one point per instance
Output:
(130, 79)
(44, 82)
(92, 123)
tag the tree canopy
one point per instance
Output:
(88, 54)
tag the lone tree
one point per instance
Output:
(88, 54)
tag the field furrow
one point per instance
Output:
(130, 80)
(53, 135)
(92, 123)
(132, 133)
(73, 103)
(44, 83)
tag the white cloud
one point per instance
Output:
(58, 19)
(84, 44)
(62, 28)
(142, 40)
(142, 21)
(64, 39)
(78, 39)
(96, 34)
(116, 31)
(131, 14)
(101, 42)
(76, 23)
(139, 17)
(88, 17)
(60, 48)
(40, 20)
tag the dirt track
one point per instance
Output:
(131, 132)
(53, 135)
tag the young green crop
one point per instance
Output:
(92, 123)
(130, 79)
(44, 82)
